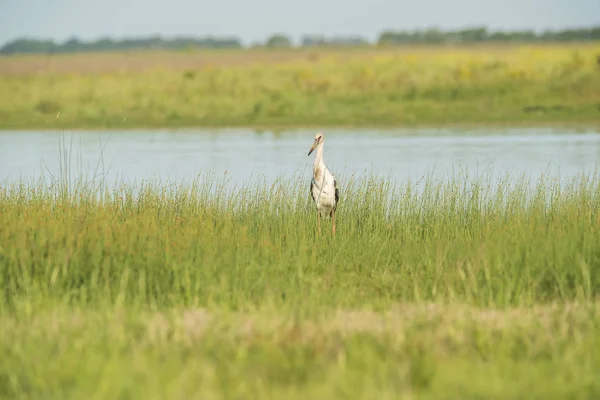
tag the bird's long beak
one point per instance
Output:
(312, 148)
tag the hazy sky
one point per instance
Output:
(253, 20)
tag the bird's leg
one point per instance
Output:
(333, 222)
(319, 222)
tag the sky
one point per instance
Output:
(254, 20)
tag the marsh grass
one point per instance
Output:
(196, 244)
(410, 86)
(433, 289)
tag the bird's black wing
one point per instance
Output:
(337, 193)
(312, 195)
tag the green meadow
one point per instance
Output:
(410, 85)
(470, 289)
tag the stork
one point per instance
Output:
(323, 186)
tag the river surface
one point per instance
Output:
(243, 155)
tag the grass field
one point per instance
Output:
(495, 84)
(465, 289)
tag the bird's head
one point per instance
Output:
(319, 137)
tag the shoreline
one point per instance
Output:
(585, 124)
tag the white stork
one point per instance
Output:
(323, 186)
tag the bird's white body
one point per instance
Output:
(323, 186)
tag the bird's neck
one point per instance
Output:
(319, 165)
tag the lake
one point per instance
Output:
(244, 154)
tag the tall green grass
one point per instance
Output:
(464, 288)
(201, 245)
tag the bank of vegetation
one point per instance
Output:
(255, 88)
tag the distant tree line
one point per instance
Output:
(26, 45)
(419, 36)
(482, 34)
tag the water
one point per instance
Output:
(244, 155)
